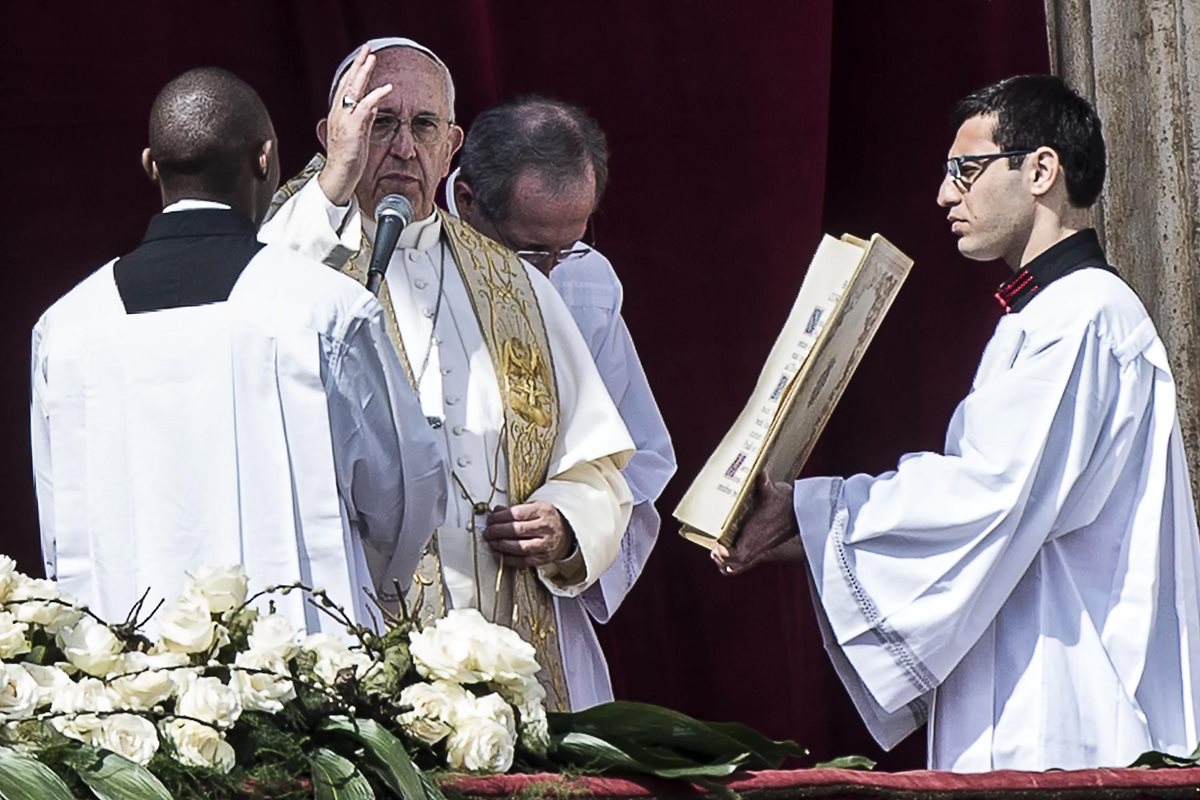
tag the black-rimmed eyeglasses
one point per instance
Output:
(965, 170)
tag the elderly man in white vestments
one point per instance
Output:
(210, 400)
(535, 446)
(532, 172)
(1033, 588)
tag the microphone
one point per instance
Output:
(392, 215)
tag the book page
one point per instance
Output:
(713, 496)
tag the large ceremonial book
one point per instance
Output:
(848, 288)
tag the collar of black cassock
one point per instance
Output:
(1078, 251)
(198, 222)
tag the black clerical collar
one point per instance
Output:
(198, 222)
(1078, 251)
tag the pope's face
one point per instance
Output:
(399, 164)
(992, 212)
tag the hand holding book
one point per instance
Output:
(768, 532)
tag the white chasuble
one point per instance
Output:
(274, 430)
(1034, 588)
(455, 378)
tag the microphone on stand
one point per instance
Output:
(392, 215)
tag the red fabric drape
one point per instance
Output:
(739, 132)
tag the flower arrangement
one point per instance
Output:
(228, 699)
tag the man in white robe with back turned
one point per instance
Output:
(1033, 589)
(531, 174)
(208, 401)
(537, 503)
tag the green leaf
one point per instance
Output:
(593, 752)
(26, 778)
(114, 777)
(398, 770)
(658, 739)
(1156, 760)
(335, 778)
(847, 762)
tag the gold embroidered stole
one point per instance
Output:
(510, 320)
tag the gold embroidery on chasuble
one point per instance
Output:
(510, 319)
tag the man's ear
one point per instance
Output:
(148, 166)
(1047, 170)
(456, 140)
(263, 162)
(464, 198)
(323, 132)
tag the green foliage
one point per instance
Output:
(336, 778)
(1157, 760)
(392, 762)
(642, 738)
(846, 762)
(23, 777)
(112, 777)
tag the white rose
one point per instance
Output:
(198, 745)
(260, 691)
(50, 681)
(334, 655)
(479, 744)
(74, 702)
(30, 596)
(209, 700)
(92, 647)
(434, 708)
(494, 707)
(186, 626)
(219, 589)
(8, 576)
(440, 654)
(128, 735)
(147, 680)
(273, 634)
(12, 636)
(507, 657)
(86, 694)
(19, 692)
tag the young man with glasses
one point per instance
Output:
(537, 503)
(532, 172)
(1033, 590)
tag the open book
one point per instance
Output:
(847, 290)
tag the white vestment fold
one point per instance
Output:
(457, 385)
(1034, 588)
(273, 430)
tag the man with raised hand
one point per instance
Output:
(535, 446)
(1033, 588)
(208, 400)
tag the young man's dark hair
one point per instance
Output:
(557, 140)
(1033, 111)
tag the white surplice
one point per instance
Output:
(1034, 587)
(274, 430)
(458, 388)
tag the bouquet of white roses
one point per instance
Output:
(228, 699)
(221, 683)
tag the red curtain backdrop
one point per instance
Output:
(739, 133)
